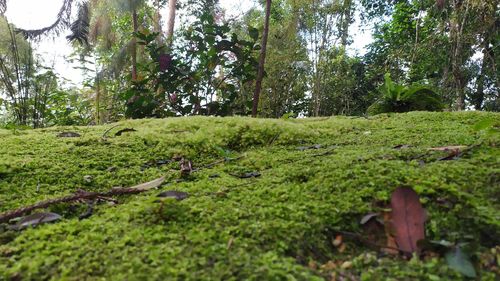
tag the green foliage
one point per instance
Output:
(202, 76)
(400, 98)
(345, 85)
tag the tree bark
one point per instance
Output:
(134, 46)
(345, 23)
(171, 22)
(457, 61)
(157, 23)
(262, 61)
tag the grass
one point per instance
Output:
(278, 226)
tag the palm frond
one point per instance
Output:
(80, 27)
(62, 22)
(3, 6)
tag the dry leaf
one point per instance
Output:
(330, 265)
(179, 195)
(342, 248)
(338, 241)
(230, 243)
(149, 185)
(408, 218)
(68, 135)
(391, 248)
(346, 265)
(368, 218)
(186, 167)
(449, 148)
(36, 219)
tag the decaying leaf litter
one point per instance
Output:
(258, 215)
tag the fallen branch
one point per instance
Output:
(81, 195)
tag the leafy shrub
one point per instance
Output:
(400, 98)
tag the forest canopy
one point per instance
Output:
(279, 58)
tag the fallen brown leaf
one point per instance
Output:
(408, 218)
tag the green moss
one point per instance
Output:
(266, 228)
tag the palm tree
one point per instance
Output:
(62, 22)
(80, 27)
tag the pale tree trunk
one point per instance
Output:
(171, 22)
(157, 23)
(262, 61)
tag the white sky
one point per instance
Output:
(29, 14)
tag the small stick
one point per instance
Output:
(107, 131)
(79, 195)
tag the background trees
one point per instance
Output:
(210, 66)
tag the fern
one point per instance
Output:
(400, 98)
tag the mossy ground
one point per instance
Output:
(275, 227)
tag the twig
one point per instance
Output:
(81, 195)
(107, 131)
(220, 161)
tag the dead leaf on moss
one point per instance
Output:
(186, 167)
(36, 219)
(178, 195)
(448, 148)
(368, 217)
(453, 155)
(68, 135)
(408, 218)
(337, 241)
(402, 146)
(247, 175)
(316, 146)
(149, 185)
(373, 228)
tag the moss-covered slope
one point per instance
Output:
(278, 226)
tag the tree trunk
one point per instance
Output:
(171, 22)
(456, 33)
(157, 23)
(134, 46)
(262, 61)
(345, 23)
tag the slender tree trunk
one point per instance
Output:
(346, 22)
(262, 61)
(456, 33)
(134, 46)
(157, 23)
(171, 22)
